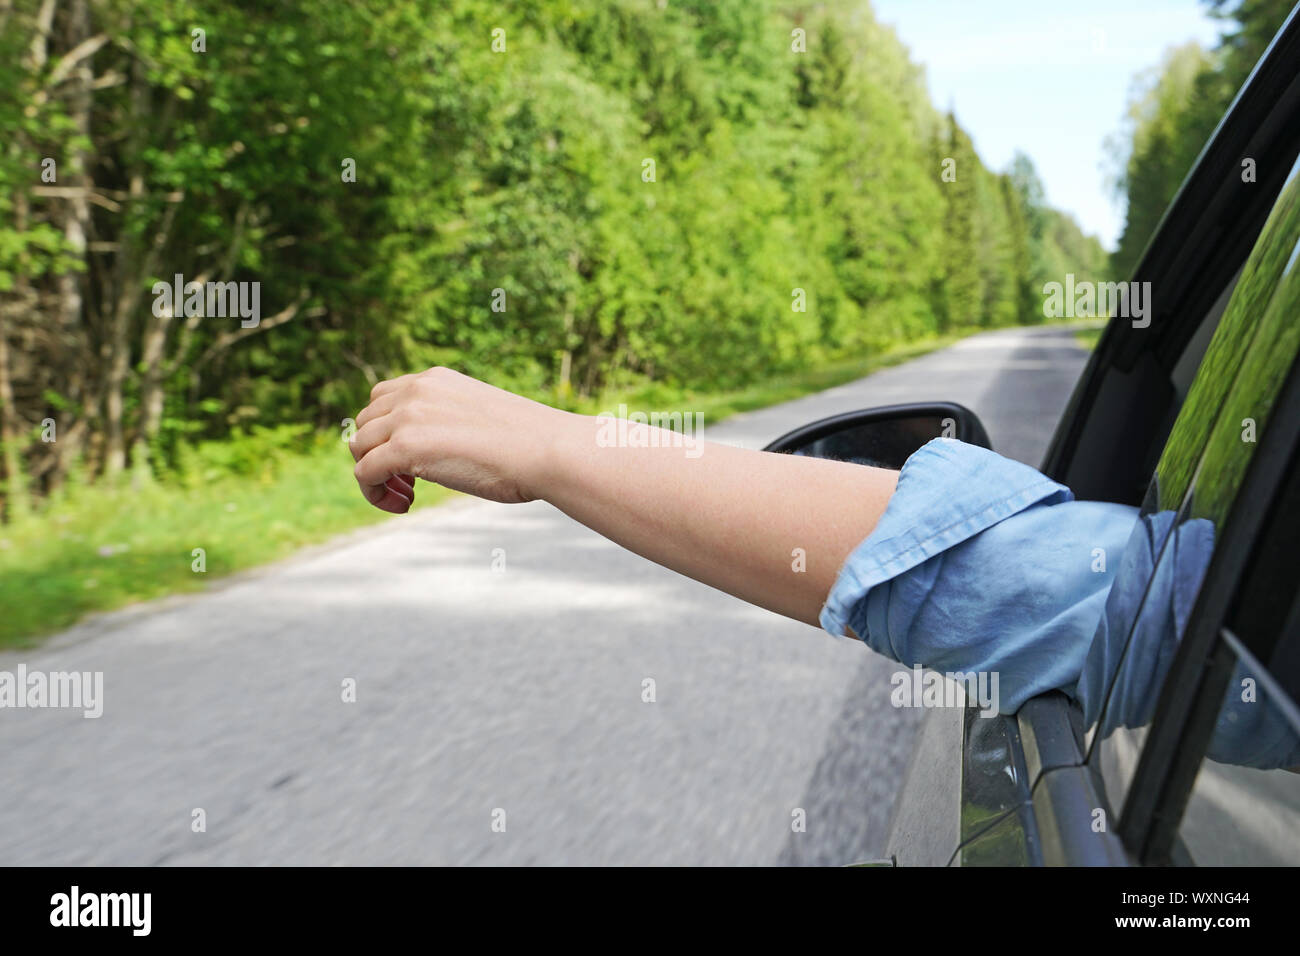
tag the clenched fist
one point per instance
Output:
(448, 428)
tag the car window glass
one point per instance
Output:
(1200, 471)
(1244, 808)
(1184, 372)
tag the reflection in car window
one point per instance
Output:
(1237, 815)
(1200, 471)
(1255, 295)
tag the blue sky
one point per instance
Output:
(1049, 77)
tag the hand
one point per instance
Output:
(451, 429)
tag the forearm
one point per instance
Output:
(770, 529)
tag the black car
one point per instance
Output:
(1192, 414)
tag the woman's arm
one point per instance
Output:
(734, 519)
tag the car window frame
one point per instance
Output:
(1192, 691)
(1256, 318)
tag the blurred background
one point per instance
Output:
(714, 206)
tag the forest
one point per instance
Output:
(562, 196)
(1173, 111)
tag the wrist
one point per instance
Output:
(554, 440)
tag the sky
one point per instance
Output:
(1048, 77)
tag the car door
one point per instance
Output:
(1051, 786)
(1188, 699)
(1205, 680)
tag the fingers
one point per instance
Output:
(396, 495)
(370, 435)
(402, 486)
(386, 499)
(378, 463)
(376, 467)
(377, 408)
(391, 384)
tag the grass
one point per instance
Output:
(717, 406)
(106, 547)
(98, 548)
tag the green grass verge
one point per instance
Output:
(106, 547)
(99, 548)
(717, 406)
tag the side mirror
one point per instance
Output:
(884, 437)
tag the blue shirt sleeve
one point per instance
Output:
(1145, 618)
(982, 565)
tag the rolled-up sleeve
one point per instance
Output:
(982, 564)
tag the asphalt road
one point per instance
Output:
(511, 696)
